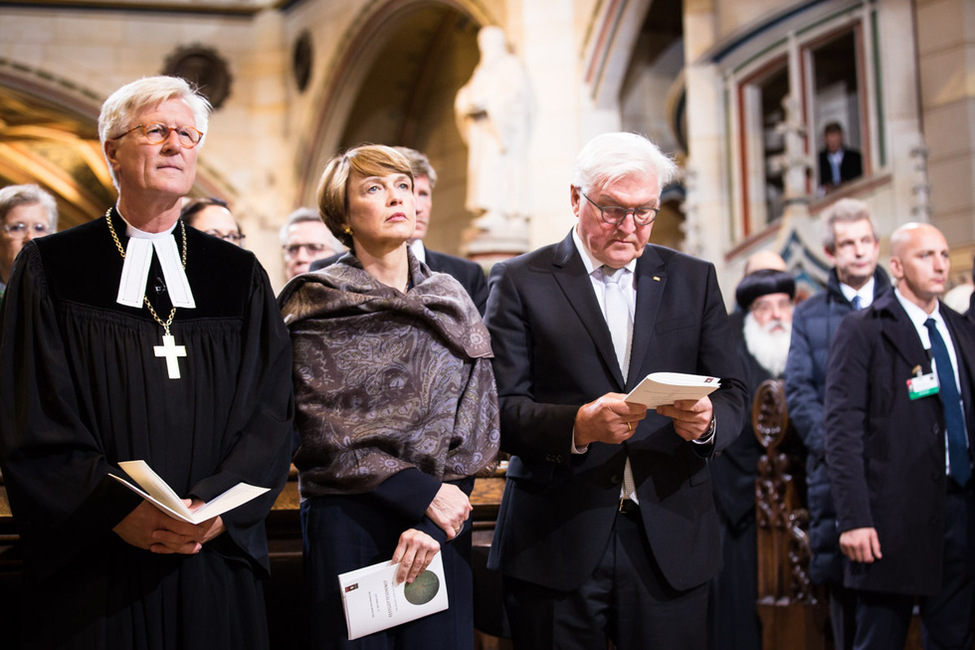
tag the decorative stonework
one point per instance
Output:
(205, 68)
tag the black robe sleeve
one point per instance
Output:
(54, 468)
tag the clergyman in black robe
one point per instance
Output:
(83, 389)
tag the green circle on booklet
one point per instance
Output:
(423, 589)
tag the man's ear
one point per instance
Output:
(111, 153)
(575, 198)
(896, 268)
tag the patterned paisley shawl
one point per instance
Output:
(386, 381)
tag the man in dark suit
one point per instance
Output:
(607, 529)
(838, 164)
(897, 433)
(851, 243)
(469, 274)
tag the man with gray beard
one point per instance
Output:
(766, 299)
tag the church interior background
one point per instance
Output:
(738, 91)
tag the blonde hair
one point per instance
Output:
(365, 160)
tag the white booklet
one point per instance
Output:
(373, 601)
(660, 388)
(157, 491)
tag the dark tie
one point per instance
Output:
(961, 468)
(856, 303)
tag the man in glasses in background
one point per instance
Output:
(26, 212)
(304, 239)
(607, 528)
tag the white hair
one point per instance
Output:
(610, 157)
(132, 98)
(16, 195)
(309, 214)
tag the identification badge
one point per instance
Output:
(922, 386)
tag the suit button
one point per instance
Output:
(935, 429)
(615, 479)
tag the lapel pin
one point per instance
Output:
(656, 278)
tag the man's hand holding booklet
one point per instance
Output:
(158, 492)
(662, 388)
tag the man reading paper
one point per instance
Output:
(132, 337)
(607, 529)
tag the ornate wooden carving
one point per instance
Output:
(792, 609)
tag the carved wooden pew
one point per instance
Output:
(793, 611)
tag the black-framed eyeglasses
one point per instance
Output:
(232, 237)
(19, 230)
(187, 136)
(615, 214)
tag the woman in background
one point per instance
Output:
(397, 406)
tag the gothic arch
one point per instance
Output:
(392, 81)
(49, 136)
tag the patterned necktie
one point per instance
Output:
(618, 316)
(958, 462)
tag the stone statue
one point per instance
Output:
(493, 111)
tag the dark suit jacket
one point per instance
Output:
(885, 452)
(469, 274)
(554, 353)
(851, 167)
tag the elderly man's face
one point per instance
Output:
(616, 245)
(34, 218)
(165, 168)
(772, 311)
(307, 241)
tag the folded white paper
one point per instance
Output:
(660, 388)
(157, 491)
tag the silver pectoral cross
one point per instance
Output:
(172, 352)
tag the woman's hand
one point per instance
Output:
(450, 509)
(414, 552)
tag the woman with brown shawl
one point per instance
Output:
(397, 406)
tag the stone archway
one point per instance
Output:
(394, 83)
(49, 137)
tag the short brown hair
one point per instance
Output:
(365, 160)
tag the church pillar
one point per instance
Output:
(709, 223)
(266, 181)
(945, 29)
(544, 34)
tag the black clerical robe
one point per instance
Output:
(83, 390)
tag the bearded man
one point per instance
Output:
(766, 299)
